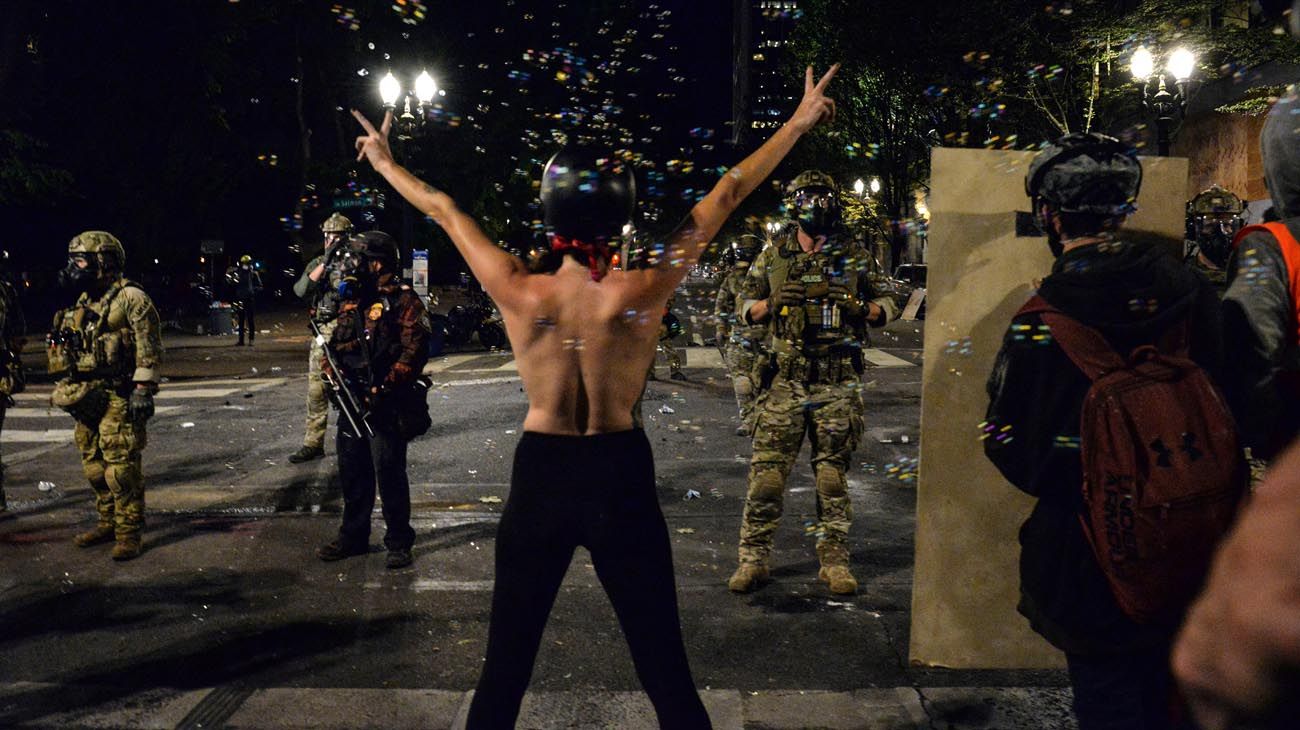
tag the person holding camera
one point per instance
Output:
(376, 350)
(108, 348)
(813, 290)
(321, 294)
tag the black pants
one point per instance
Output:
(245, 312)
(1126, 691)
(364, 463)
(598, 492)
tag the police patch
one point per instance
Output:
(376, 311)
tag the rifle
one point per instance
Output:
(343, 397)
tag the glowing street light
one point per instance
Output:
(859, 187)
(875, 185)
(389, 89)
(1166, 106)
(425, 88)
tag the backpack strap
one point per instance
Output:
(1085, 346)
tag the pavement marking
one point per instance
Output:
(60, 413)
(481, 381)
(20, 436)
(426, 585)
(882, 359)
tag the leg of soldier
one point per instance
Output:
(318, 409)
(357, 479)
(92, 465)
(740, 363)
(240, 313)
(3, 504)
(388, 453)
(252, 320)
(778, 434)
(836, 430)
(120, 441)
(674, 360)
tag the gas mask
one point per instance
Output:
(1213, 236)
(80, 278)
(350, 271)
(816, 210)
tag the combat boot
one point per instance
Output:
(100, 533)
(840, 580)
(4, 506)
(748, 577)
(127, 547)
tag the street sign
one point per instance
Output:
(420, 271)
(212, 246)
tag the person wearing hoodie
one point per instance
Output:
(1082, 188)
(1260, 306)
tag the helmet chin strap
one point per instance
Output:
(595, 253)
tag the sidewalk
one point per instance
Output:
(34, 705)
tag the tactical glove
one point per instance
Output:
(790, 295)
(140, 406)
(847, 302)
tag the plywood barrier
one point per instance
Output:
(966, 581)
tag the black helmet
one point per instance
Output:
(378, 245)
(1086, 173)
(587, 195)
(745, 248)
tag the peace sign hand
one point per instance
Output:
(815, 107)
(373, 145)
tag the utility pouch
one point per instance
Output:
(766, 370)
(85, 401)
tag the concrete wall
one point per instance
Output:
(966, 578)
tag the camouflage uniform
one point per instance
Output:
(324, 312)
(669, 328)
(104, 345)
(12, 328)
(811, 385)
(740, 343)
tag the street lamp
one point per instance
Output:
(390, 91)
(859, 187)
(875, 185)
(1165, 105)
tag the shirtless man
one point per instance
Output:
(582, 474)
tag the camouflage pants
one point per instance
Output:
(318, 404)
(670, 352)
(110, 459)
(831, 415)
(740, 364)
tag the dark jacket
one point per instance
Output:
(1133, 293)
(382, 337)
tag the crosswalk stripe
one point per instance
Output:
(20, 436)
(701, 357)
(882, 359)
(60, 413)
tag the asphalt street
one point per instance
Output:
(228, 606)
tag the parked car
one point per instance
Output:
(913, 275)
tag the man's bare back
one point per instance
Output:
(583, 346)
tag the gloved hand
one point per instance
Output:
(139, 408)
(845, 298)
(790, 295)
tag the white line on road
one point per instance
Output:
(882, 359)
(15, 436)
(481, 381)
(60, 413)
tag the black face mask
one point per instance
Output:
(1054, 243)
(76, 278)
(816, 210)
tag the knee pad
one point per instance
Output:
(830, 481)
(742, 386)
(767, 484)
(94, 471)
(124, 479)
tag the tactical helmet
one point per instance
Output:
(1215, 201)
(1085, 172)
(587, 195)
(98, 242)
(1213, 218)
(245, 259)
(378, 245)
(336, 223)
(814, 202)
(745, 248)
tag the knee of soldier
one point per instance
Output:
(742, 385)
(94, 471)
(830, 481)
(123, 478)
(766, 484)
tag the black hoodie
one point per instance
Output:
(1133, 293)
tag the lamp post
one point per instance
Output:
(1166, 106)
(408, 125)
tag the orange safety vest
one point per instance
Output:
(1291, 255)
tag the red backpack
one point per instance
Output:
(1163, 472)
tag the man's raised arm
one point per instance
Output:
(692, 237)
(492, 266)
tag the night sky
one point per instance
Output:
(172, 122)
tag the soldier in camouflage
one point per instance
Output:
(1213, 218)
(812, 288)
(670, 327)
(108, 348)
(319, 288)
(740, 343)
(13, 327)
